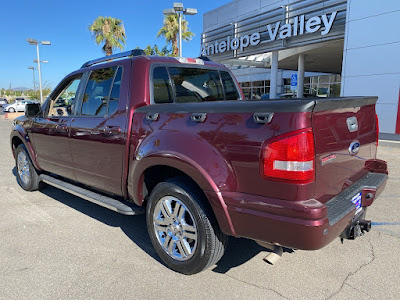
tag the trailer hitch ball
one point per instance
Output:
(357, 232)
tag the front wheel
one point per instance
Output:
(11, 110)
(27, 176)
(182, 227)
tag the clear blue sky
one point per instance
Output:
(65, 24)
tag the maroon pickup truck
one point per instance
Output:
(175, 139)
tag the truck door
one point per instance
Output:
(51, 130)
(98, 132)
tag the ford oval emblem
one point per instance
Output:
(354, 147)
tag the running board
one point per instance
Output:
(124, 208)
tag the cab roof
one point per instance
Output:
(139, 53)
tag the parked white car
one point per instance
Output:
(17, 106)
(3, 101)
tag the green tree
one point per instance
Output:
(170, 32)
(156, 51)
(109, 31)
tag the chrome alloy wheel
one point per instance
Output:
(175, 228)
(23, 168)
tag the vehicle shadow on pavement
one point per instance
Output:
(133, 226)
(238, 252)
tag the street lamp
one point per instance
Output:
(178, 9)
(36, 42)
(42, 61)
(34, 82)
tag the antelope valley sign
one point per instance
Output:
(279, 30)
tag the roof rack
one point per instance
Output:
(204, 58)
(134, 52)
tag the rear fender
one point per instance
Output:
(192, 156)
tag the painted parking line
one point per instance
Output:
(385, 223)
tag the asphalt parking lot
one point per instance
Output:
(57, 246)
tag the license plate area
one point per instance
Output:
(356, 200)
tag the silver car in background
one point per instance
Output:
(3, 101)
(18, 105)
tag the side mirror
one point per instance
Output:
(32, 109)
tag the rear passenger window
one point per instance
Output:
(196, 85)
(95, 98)
(231, 92)
(185, 85)
(114, 97)
(162, 92)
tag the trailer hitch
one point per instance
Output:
(357, 228)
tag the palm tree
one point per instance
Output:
(109, 31)
(156, 51)
(170, 31)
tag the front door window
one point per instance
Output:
(64, 103)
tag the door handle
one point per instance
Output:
(111, 129)
(152, 117)
(198, 117)
(262, 118)
(61, 127)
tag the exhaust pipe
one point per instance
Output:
(274, 256)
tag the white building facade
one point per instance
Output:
(332, 47)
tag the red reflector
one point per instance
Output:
(290, 159)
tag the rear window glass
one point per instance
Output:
(231, 92)
(196, 85)
(114, 97)
(184, 85)
(95, 98)
(162, 91)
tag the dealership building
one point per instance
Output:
(324, 48)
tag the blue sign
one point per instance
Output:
(293, 80)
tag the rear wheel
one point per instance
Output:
(182, 227)
(27, 176)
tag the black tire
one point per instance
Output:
(27, 177)
(210, 241)
(11, 110)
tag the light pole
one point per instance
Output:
(178, 9)
(34, 82)
(42, 61)
(35, 42)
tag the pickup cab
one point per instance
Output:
(174, 138)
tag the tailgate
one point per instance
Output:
(345, 133)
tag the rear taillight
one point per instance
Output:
(290, 158)
(377, 129)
